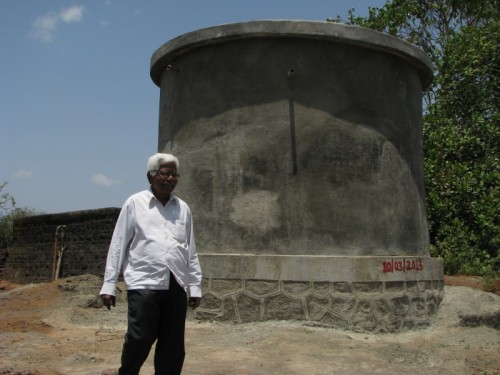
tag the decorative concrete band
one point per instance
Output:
(375, 294)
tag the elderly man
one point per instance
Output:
(153, 244)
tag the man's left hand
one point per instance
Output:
(194, 302)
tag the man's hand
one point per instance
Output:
(194, 302)
(108, 300)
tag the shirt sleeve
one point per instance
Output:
(194, 268)
(118, 248)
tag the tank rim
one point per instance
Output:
(318, 30)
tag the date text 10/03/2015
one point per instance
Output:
(403, 265)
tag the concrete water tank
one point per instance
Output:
(301, 157)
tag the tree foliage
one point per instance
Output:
(461, 122)
(7, 201)
(8, 213)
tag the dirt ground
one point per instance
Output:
(60, 328)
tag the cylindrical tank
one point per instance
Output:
(297, 137)
(300, 146)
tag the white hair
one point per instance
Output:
(156, 160)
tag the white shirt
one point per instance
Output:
(150, 241)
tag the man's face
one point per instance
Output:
(165, 180)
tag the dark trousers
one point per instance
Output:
(155, 315)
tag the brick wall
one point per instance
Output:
(85, 236)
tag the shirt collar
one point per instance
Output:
(152, 196)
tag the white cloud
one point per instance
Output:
(100, 179)
(44, 27)
(23, 174)
(72, 14)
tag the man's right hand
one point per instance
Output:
(108, 300)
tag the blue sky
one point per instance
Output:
(78, 110)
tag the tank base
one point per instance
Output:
(380, 294)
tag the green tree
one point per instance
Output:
(461, 122)
(462, 152)
(8, 213)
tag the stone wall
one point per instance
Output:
(83, 237)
